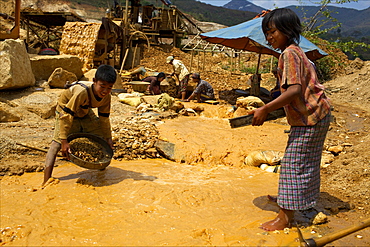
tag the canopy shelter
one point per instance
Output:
(50, 19)
(46, 26)
(249, 36)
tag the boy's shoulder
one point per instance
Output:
(87, 83)
(80, 87)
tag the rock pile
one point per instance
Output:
(135, 138)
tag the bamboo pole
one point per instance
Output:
(232, 60)
(133, 59)
(35, 148)
(204, 57)
(124, 60)
(337, 235)
(204, 60)
(272, 62)
(239, 59)
(191, 60)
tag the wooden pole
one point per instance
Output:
(255, 87)
(126, 15)
(204, 60)
(337, 235)
(240, 53)
(133, 59)
(35, 148)
(258, 63)
(124, 60)
(232, 60)
(28, 30)
(191, 60)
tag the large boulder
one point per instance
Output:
(44, 65)
(15, 69)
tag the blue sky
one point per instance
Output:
(270, 4)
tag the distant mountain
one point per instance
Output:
(243, 5)
(355, 23)
(207, 12)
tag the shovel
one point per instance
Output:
(331, 237)
(237, 122)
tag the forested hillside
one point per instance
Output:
(200, 11)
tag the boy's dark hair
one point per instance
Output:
(195, 76)
(286, 21)
(106, 73)
(160, 75)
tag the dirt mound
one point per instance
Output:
(348, 176)
(352, 88)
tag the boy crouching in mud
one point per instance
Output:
(74, 114)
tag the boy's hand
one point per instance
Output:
(260, 115)
(66, 149)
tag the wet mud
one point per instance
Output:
(145, 203)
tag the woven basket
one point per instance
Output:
(91, 165)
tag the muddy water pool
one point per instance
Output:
(147, 203)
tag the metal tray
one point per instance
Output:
(91, 165)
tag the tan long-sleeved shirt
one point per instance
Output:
(77, 101)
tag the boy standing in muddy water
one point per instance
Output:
(308, 112)
(74, 113)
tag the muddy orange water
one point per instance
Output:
(150, 202)
(153, 202)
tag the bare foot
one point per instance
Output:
(50, 181)
(282, 220)
(275, 224)
(272, 198)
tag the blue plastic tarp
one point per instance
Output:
(249, 36)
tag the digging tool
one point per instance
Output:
(333, 236)
(35, 148)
